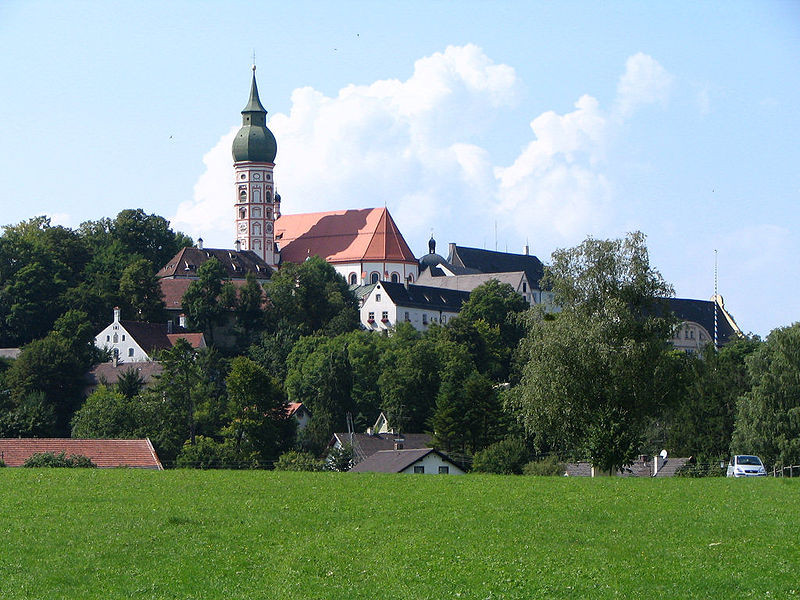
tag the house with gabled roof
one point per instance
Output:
(135, 454)
(365, 445)
(385, 304)
(136, 341)
(363, 245)
(699, 320)
(419, 460)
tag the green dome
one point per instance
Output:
(254, 142)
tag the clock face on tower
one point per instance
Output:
(269, 227)
(243, 227)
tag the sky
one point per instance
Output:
(488, 124)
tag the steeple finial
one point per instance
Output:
(254, 62)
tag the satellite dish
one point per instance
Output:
(663, 454)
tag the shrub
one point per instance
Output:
(700, 470)
(299, 461)
(2, 463)
(506, 457)
(207, 453)
(49, 459)
(549, 466)
(340, 459)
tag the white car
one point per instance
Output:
(744, 465)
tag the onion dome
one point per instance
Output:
(254, 142)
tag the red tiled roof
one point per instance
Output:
(174, 289)
(342, 236)
(293, 407)
(137, 454)
(196, 340)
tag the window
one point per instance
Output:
(116, 338)
(108, 337)
(353, 279)
(373, 278)
(385, 316)
(123, 337)
(269, 213)
(377, 297)
(444, 470)
(444, 319)
(395, 278)
(243, 196)
(408, 317)
(419, 469)
(524, 287)
(130, 351)
(371, 317)
(242, 213)
(256, 195)
(424, 319)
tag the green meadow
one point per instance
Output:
(90, 533)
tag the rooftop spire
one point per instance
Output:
(254, 104)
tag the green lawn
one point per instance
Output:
(253, 534)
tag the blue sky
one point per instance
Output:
(488, 123)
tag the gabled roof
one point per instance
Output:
(702, 313)
(369, 444)
(467, 283)
(342, 236)
(394, 461)
(104, 453)
(489, 261)
(237, 264)
(110, 373)
(423, 296)
(155, 336)
(295, 407)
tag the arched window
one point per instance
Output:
(374, 276)
(269, 213)
(242, 195)
(395, 278)
(353, 279)
(130, 352)
(256, 195)
(242, 213)
(267, 196)
(256, 228)
(411, 278)
(256, 212)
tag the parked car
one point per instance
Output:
(745, 465)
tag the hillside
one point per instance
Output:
(225, 534)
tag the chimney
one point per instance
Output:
(398, 443)
(452, 250)
(527, 249)
(200, 243)
(182, 321)
(238, 245)
(116, 314)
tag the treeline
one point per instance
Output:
(503, 383)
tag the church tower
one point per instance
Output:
(257, 204)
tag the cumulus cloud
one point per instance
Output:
(644, 81)
(416, 146)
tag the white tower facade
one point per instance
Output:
(257, 204)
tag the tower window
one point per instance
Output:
(269, 213)
(243, 196)
(242, 213)
(256, 195)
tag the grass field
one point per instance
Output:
(224, 534)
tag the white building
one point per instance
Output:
(385, 304)
(134, 341)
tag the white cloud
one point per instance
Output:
(414, 146)
(210, 213)
(644, 81)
